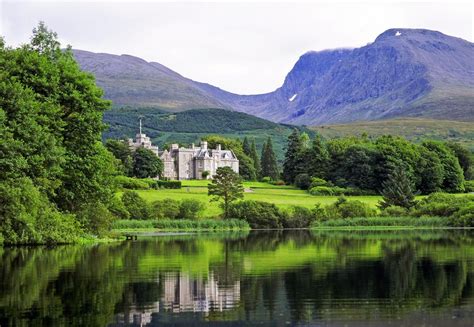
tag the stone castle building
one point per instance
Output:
(188, 163)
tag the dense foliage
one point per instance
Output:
(226, 186)
(366, 164)
(53, 166)
(268, 163)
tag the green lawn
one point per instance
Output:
(282, 196)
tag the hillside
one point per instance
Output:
(415, 129)
(403, 73)
(189, 126)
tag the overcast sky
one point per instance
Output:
(241, 47)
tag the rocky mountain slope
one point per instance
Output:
(403, 73)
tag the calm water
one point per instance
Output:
(260, 278)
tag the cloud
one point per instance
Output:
(241, 47)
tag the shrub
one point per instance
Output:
(96, 218)
(464, 217)
(303, 181)
(166, 208)
(343, 208)
(469, 186)
(350, 191)
(117, 208)
(321, 190)
(205, 174)
(131, 183)
(168, 184)
(266, 179)
(441, 205)
(258, 214)
(298, 217)
(135, 205)
(394, 211)
(315, 182)
(190, 208)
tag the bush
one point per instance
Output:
(131, 183)
(117, 208)
(441, 205)
(343, 208)
(464, 217)
(266, 179)
(135, 205)
(278, 182)
(315, 182)
(303, 181)
(96, 218)
(351, 191)
(258, 214)
(168, 184)
(190, 209)
(394, 211)
(469, 186)
(321, 190)
(166, 208)
(298, 217)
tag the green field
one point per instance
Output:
(282, 196)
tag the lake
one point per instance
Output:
(275, 278)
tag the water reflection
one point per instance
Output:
(276, 278)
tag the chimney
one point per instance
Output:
(174, 146)
(192, 146)
(203, 145)
(218, 147)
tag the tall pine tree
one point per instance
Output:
(292, 156)
(255, 158)
(268, 162)
(246, 146)
(397, 190)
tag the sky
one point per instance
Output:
(245, 47)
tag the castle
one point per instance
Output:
(188, 163)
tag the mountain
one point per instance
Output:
(403, 73)
(131, 81)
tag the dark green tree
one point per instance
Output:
(397, 190)
(453, 177)
(255, 158)
(315, 159)
(146, 163)
(226, 186)
(246, 146)
(429, 171)
(268, 162)
(465, 158)
(293, 156)
(122, 152)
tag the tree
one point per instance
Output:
(268, 162)
(315, 159)
(465, 158)
(51, 131)
(226, 186)
(429, 171)
(453, 177)
(146, 163)
(293, 156)
(397, 190)
(246, 147)
(255, 158)
(122, 152)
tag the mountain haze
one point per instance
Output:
(403, 73)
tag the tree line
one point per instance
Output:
(365, 163)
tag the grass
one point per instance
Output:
(382, 223)
(282, 196)
(124, 226)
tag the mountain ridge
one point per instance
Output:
(403, 73)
